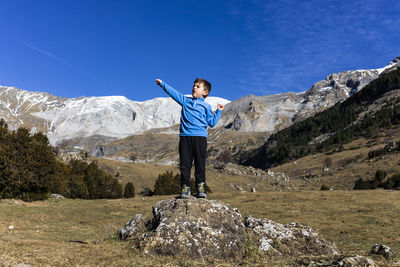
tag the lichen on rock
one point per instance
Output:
(197, 228)
(290, 240)
(207, 229)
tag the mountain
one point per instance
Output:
(68, 118)
(99, 120)
(366, 113)
(272, 113)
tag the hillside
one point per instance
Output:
(364, 114)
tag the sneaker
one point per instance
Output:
(185, 191)
(201, 190)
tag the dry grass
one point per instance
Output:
(347, 166)
(82, 232)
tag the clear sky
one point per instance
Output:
(74, 48)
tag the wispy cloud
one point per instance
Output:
(293, 42)
(58, 59)
(44, 52)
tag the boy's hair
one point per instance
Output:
(206, 84)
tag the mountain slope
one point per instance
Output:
(68, 118)
(272, 113)
(352, 118)
(99, 120)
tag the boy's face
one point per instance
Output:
(199, 90)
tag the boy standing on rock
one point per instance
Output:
(196, 115)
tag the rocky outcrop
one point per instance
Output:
(135, 226)
(208, 229)
(291, 239)
(383, 250)
(197, 228)
(347, 261)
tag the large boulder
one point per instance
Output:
(195, 228)
(288, 240)
(207, 229)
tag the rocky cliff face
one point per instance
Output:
(272, 113)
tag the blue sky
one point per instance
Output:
(99, 48)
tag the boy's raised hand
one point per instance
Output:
(158, 81)
(220, 106)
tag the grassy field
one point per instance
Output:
(82, 232)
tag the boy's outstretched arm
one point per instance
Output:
(177, 96)
(213, 118)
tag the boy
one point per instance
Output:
(196, 115)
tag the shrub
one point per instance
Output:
(147, 192)
(225, 157)
(30, 171)
(129, 191)
(324, 187)
(360, 184)
(393, 182)
(168, 184)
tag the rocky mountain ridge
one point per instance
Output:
(272, 113)
(69, 118)
(115, 117)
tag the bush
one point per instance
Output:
(29, 170)
(360, 184)
(392, 182)
(129, 191)
(324, 187)
(147, 192)
(168, 184)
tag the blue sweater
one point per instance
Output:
(196, 114)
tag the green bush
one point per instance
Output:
(29, 170)
(380, 181)
(147, 192)
(129, 191)
(170, 184)
(167, 184)
(325, 187)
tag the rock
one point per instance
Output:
(383, 250)
(292, 239)
(253, 190)
(194, 228)
(57, 196)
(347, 261)
(132, 228)
(207, 229)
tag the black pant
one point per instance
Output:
(192, 147)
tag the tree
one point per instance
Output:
(133, 157)
(327, 162)
(167, 184)
(129, 191)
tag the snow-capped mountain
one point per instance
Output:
(118, 117)
(68, 118)
(272, 113)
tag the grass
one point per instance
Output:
(82, 232)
